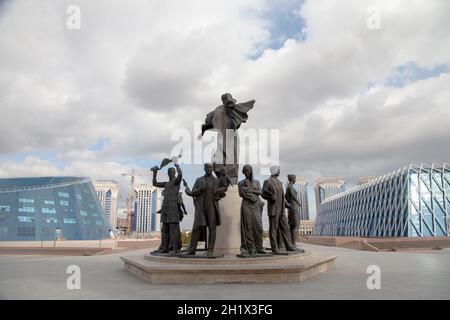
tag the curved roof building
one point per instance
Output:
(48, 207)
(411, 202)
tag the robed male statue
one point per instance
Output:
(226, 119)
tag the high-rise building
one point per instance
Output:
(108, 195)
(46, 208)
(411, 202)
(302, 189)
(147, 201)
(326, 188)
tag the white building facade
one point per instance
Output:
(306, 227)
(108, 195)
(147, 202)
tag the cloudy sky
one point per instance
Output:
(348, 99)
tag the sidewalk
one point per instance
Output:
(84, 247)
(404, 275)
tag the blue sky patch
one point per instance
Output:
(4, 6)
(411, 72)
(100, 144)
(284, 22)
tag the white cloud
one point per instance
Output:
(29, 167)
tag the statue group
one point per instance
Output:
(211, 187)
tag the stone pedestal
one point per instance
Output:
(230, 269)
(228, 240)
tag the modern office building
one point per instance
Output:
(108, 195)
(411, 202)
(50, 207)
(326, 188)
(302, 188)
(147, 203)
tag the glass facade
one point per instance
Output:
(302, 189)
(326, 188)
(33, 208)
(411, 202)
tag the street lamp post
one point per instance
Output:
(45, 232)
(113, 234)
(100, 232)
(57, 233)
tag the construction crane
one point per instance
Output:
(130, 197)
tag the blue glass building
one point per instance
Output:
(34, 208)
(411, 202)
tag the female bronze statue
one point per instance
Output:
(294, 208)
(251, 214)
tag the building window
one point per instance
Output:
(5, 208)
(79, 197)
(64, 203)
(23, 200)
(26, 219)
(83, 213)
(47, 231)
(63, 194)
(52, 220)
(26, 209)
(47, 210)
(3, 232)
(69, 221)
(26, 231)
(49, 202)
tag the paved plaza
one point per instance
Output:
(404, 275)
